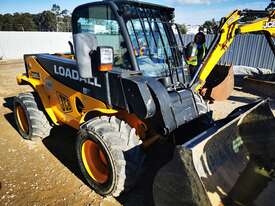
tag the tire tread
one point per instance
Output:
(39, 124)
(119, 137)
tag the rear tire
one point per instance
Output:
(30, 119)
(121, 164)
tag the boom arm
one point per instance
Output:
(229, 27)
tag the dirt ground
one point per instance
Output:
(45, 172)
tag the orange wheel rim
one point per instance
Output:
(22, 119)
(95, 161)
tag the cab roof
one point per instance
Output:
(131, 3)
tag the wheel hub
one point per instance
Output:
(22, 119)
(95, 161)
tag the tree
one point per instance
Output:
(1, 22)
(64, 21)
(46, 21)
(65, 12)
(6, 22)
(23, 22)
(67, 24)
(183, 29)
(271, 5)
(55, 9)
(211, 27)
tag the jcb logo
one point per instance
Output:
(64, 103)
(269, 24)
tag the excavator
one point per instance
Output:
(231, 163)
(124, 87)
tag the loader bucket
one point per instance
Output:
(232, 163)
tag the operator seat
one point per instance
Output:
(85, 44)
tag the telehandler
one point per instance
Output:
(124, 86)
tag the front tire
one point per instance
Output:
(109, 154)
(30, 119)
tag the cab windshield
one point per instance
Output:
(155, 41)
(154, 37)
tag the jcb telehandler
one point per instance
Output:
(124, 86)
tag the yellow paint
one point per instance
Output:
(228, 32)
(22, 119)
(226, 39)
(258, 25)
(50, 99)
(100, 110)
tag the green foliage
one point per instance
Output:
(183, 29)
(23, 22)
(210, 27)
(46, 21)
(53, 20)
(55, 9)
(6, 22)
(271, 6)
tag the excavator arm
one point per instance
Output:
(230, 26)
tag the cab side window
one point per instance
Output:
(100, 22)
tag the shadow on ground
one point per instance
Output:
(61, 143)
(241, 99)
(142, 194)
(248, 100)
(9, 116)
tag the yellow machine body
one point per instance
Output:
(230, 28)
(205, 160)
(59, 100)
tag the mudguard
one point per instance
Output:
(232, 163)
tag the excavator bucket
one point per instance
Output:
(232, 163)
(219, 84)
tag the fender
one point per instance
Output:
(94, 112)
(131, 119)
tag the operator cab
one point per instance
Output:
(129, 55)
(141, 35)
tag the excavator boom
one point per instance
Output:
(230, 26)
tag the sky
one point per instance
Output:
(193, 12)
